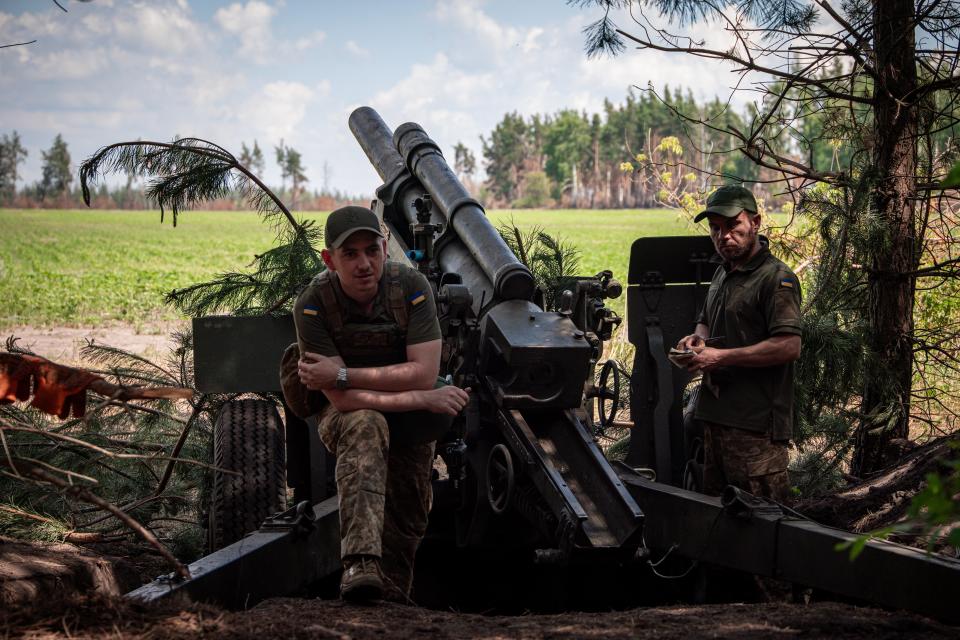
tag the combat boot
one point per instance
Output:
(361, 581)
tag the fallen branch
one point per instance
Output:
(82, 493)
(76, 537)
(108, 453)
(117, 392)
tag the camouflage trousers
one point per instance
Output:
(748, 460)
(385, 492)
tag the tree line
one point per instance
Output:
(57, 189)
(581, 160)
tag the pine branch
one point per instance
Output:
(186, 172)
(82, 493)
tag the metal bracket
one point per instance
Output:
(745, 505)
(299, 517)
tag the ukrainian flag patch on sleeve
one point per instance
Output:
(786, 282)
(310, 311)
(417, 298)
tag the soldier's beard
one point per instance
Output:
(737, 252)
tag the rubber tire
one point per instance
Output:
(248, 438)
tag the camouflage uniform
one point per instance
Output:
(745, 459)
(385, 493)
(384, 461)
(747, 412)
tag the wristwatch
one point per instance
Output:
(342, 382)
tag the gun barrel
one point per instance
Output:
(512, 280)
(376, 140)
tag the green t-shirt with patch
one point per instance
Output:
(746, 306)
(316, 334)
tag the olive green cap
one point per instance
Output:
(728, 202)
(345, 221)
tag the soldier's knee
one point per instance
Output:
(368, 424)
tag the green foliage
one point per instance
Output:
(953, 178)
(291, 168)
(120, 451)
(190, 171)
(94, 268)
(585, 155)
(182, 173)
(252, 158)
(464, 162)
(549, 259)
(279, 274)
(56, 169)
(504, 153)
(12, 154)
(933, 511)
(536, 191)
(567, 146)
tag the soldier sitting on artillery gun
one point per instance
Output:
(370, 341)
(746, 399)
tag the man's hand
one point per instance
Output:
(705, 358)
(449, 400)
(317, 372)
(687, 343)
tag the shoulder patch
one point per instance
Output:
(310, 310)
(417, 298)
(787, 282)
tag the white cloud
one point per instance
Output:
(315, 39)
(67, 65)
(277, 110)
(158, 27)
(70, 49)
(469, 17)
(355, 49)
(437, 83)
(250, 22)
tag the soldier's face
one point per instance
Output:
(359, 264)
(734, 238)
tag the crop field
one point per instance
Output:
(89, 268)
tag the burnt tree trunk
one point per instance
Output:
(886, 398)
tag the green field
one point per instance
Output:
(94, 268)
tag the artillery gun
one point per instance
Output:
(523, 470)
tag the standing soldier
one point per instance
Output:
(370, 341)
(753, 309)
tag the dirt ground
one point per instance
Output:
(61, 591)
(300, 618)
(63, 344)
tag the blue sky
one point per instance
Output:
(112, 70)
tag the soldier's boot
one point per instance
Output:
(361, 581)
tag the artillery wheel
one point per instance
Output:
(500, 478)
(247, 438)
(608, 393)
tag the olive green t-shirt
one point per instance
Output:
(313, 328)
(746, 306)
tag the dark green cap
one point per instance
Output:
(728, 202)
(345, 221)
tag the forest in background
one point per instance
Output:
(57, 188)
(567, 159)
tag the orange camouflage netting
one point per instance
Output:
(60, 390)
